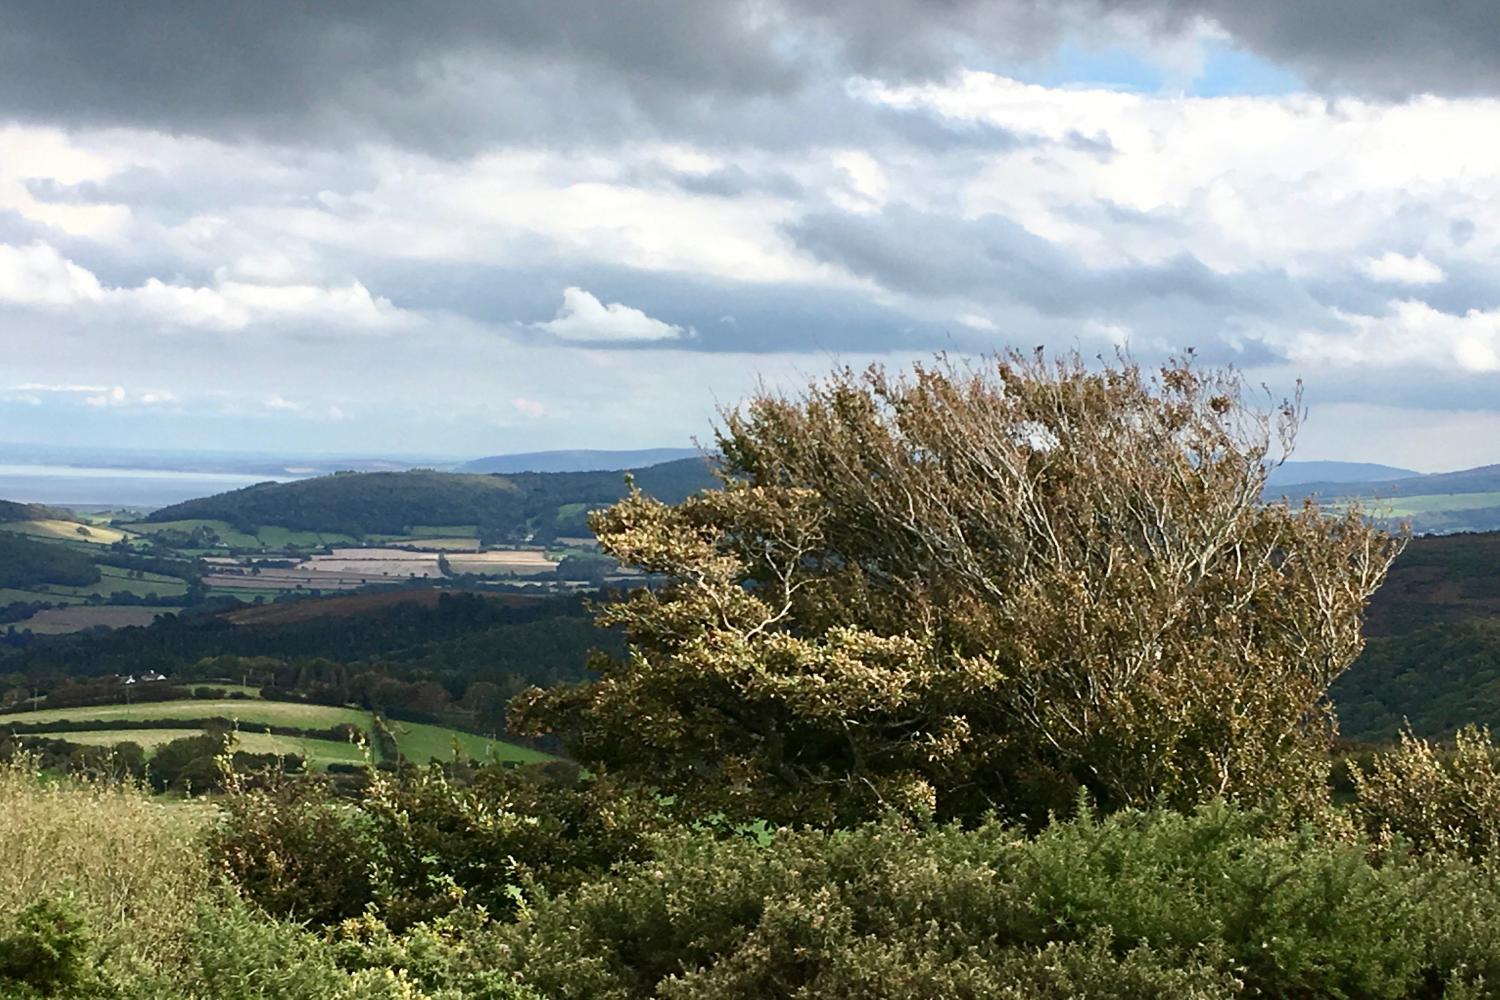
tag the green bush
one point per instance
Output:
(1211, 904)
(1444, 800)
(50, 952)
(241, 955)
(297, 852)
(424, 843)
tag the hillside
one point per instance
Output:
(25, 563)
(577, 460)
(1296, 473)
(392, 503)
(1433, 643)
(12, 511)
(1439, 503)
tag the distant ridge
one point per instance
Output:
(1296, 473)
(581, 460)
(504, 507)
(11, 511)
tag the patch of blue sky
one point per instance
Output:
(1226, 71)
(1232, 71)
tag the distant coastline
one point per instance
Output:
(89, 486)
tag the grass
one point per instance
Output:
(441, 531)
(245, 711)
(228, 533)
(417, 741)
(1434, 503)
(112, 579)
(249, 690)
(282, 538)
(318, 753)
(66, 531)
(133, 864)
(1424, 503)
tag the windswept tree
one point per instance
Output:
(966, 589)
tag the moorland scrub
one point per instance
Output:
(997, 682)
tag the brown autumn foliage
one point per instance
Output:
(970, 589)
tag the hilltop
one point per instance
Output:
(1297, 473)
(1437, 503)
(12, 511)
(577, 460)
(512, 507)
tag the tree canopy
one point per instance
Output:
(963, 590)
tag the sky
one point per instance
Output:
(479, 228)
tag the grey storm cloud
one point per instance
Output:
(1384, 48)
(453, 77)
(996, 256)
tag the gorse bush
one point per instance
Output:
(1212, 904)
(419, 845)
(1433, 798)
(47, 953)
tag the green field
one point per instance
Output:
(228, 534)
(249, 690)
(278, 539)
(441, 531)
(113, 578)
(231, 537)
(65, 531)
(318, 753)
(1434, 503)
(418, 742)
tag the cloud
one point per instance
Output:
(39, 276)
(1409, 333)
(455, 78)
(528, 407)
(583, 317)
(113, 397)
(1402, 270)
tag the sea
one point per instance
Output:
(92, 487)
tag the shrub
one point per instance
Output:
(421, 844)
(49, 951)
(962, 590)
(1434, 799)
(1217, 903)
(132, 866)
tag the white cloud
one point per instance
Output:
(1400, 269)
(1410, 334)
(37, 275)
(277, 402)
(583, 317)
(113, 397)
(528, 407)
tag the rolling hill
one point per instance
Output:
(511, 507)
(1438, 503)
(1296, 473)
(577, 461)
(12, 511)
(24, 563)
